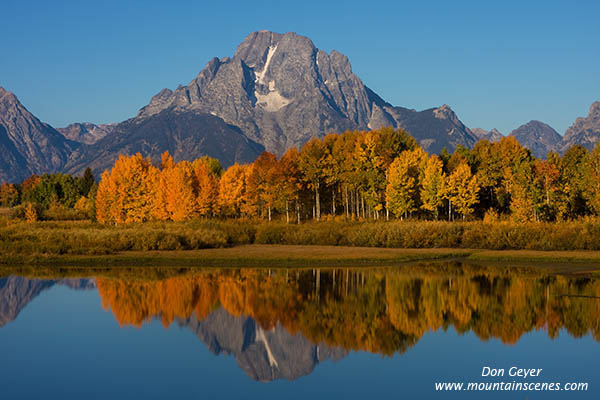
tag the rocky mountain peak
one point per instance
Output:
(445, 112)
(8, 100)
(539, 137)
(281, 91)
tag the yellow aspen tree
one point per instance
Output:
(31, 215)
(402, 190)
(432, 185)
(462, 189)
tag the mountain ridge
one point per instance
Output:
(277, 91)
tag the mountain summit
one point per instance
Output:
(537, 136)
(281, 91)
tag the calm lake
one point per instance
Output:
(306, 333)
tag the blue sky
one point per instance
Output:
(497, 64)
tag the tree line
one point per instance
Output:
(55, 196)
(379, 174)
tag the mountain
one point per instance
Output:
(584, 131)
(481, 134)
(27, 145)
(275, 92)
(186, 135)
(264, 355)
(281, 91)
(86, 132)
(537, 136)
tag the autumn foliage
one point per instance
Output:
(380, 174)
(137, 191)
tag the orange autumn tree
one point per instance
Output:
(127, 192)
(291, 182)
(264, 183)
(137, 191)
(232, 190)
(206, 186)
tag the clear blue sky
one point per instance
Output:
(497, 64)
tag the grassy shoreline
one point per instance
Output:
(253, 255)
(286, 256)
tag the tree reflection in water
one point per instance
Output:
(381, 310)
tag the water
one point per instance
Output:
(326, 333)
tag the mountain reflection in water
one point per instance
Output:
(280, 323)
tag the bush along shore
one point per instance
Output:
(88, 238)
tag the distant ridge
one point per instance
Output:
(493, 136)
(539, 137)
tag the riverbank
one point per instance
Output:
(298, 256)
(254, 255)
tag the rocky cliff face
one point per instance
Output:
(264, 355)
(584, 131)
(281, 91)
(539, 137)
(28, 146)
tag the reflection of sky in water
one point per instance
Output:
(64, 345)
